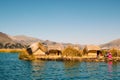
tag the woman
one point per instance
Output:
(109, 55)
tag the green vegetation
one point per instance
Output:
(70, 51)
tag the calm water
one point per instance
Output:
(11, 68)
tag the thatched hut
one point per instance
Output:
(36, 49)
(54, 52)
(91, 50)
(55, 49)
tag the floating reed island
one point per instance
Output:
(66, 58)
(88, 54)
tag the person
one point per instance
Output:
(109, 55)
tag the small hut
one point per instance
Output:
(55, 49)
(91, 50)
(36, 49)
(54, 52)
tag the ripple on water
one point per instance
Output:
(11, 68)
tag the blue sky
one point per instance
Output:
(72, 21)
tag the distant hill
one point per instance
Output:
(111, 44)
(5, 38)
(22, 41)
(25, 39)
(7, 42)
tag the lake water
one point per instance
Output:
(11, 68)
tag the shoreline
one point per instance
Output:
(12, 50)
(25, 56)
(80, 59)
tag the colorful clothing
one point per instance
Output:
(109, 55)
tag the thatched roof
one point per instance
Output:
(92, 47)
(55, 47)
(37, 45)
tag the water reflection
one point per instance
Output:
(37, 68)
(110, 70)
(37, 65)
(110, 66)
(71, 69)
(71, 64)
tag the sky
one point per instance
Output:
(69, 21)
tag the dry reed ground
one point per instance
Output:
(12, 50)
